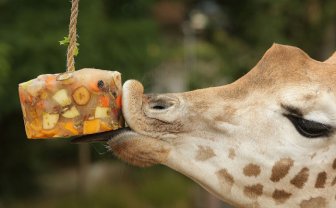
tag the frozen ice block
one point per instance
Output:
(88, 102)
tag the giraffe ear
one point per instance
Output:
(331, 59)
(282, 55)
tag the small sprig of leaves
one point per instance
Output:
(65, 41)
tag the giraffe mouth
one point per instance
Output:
(141, 113)
(103, 136)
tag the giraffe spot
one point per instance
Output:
(333, 182)
(280, 196)
(232, 153)
(319, 202)
(281, 169)
(334, 164)
(204, 153)
(301, 178)
(253, 191)
(251, 170)
(225, 178)
(321, 180)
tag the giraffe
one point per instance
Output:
(265, 140)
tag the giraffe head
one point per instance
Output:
(266, 140)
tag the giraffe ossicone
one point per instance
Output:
(266, 140)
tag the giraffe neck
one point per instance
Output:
(249, 179)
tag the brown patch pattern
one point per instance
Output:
(301, 178)
(281, 169)
(204, 153)
(225, 177)
(321, 180)
(232, 153)
(334, 164)
(251, 170)
(280, 196)
(253, 191)
(317, 202)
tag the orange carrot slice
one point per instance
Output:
(50, 82)
(91, 126)
(70, 127)
(105, 101)
(49, 133)
(118, 101)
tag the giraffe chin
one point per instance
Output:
(137, 149)
(130, 146)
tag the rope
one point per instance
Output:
(72, 37)
(72, 42)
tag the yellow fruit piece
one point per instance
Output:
(62, 98)
(81, 95)
(49, 120)
(71, 113)
(91, 126)
(70, 127)
(102, 112)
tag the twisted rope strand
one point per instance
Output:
(72, 37)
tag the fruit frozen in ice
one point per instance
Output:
(81, 95)
(102, 112)
(62, 98)
(71, 113)
(49, 120)
(91, 126)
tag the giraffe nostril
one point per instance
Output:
(160, 105)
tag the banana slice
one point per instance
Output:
(81, 95)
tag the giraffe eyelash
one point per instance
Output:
(308, 128)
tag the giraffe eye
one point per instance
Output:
(309, 129)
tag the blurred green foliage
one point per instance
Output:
(124, 36)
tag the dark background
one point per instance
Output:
(167, 45)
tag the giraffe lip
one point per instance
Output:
(101, 137)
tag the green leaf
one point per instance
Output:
(65, 41)
(76, 52)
